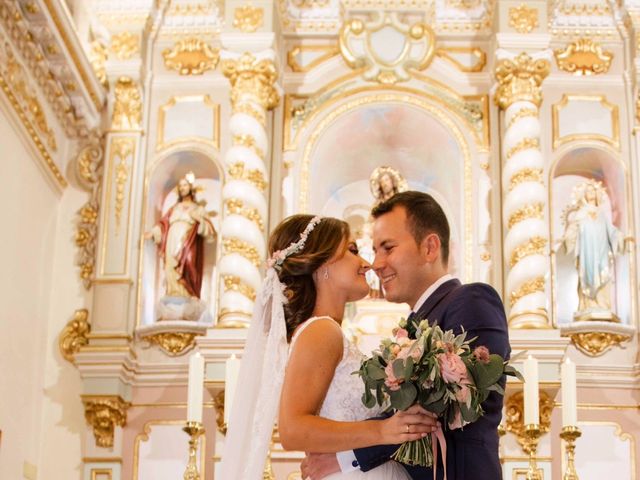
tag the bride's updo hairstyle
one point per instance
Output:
(296, 271)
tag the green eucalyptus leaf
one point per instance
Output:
(404, 397)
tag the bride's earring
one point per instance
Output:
(326, 273)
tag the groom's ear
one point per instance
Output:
(430, 247)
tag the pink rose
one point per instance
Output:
(391, 381)
(401, 333)
(463, 395)
(452, 368)
(482, 354)
(406, 350)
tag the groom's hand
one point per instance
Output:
(316, 466)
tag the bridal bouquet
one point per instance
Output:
(438, 370)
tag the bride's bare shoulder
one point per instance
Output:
(318, 334)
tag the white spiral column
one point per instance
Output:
(525, 194)
(244, 193)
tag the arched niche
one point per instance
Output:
(574, 166)
(410, 134)
(160, 195)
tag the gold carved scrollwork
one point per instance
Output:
(583, 57)
(248, 109)
(357, 48)
(526, 175)
(218, 404)
(124, 45)
(237, 171)
(86, 237)
(533, 210)
(122, 149)
(534, 246)
(249, 142)
(127, 110)
(248, 18)
(191, 56)
(237, 285)
(248, 251)
(236, 206)
(98, 57)
(527, 288)
(89, 160)
(308, 4)
(514, 409)
(51, 79)
(520, 80)
(522, 113)
(524, 144)
(523, 19)
(89, 167)
(20, 84)
(597, 343)
(252, 79)
(463, 4)
(75, 334)
(173, 343)
(104, 413)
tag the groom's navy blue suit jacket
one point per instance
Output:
(472, 453)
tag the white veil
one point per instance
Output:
(257, 397)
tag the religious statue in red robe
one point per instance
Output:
(180, 235)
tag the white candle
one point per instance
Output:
(531, 413)
(569, 398)
(196, 382)
(231, 372)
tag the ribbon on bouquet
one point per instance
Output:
(437, 437)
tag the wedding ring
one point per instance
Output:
(408, 428)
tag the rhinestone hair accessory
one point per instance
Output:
(278, 258)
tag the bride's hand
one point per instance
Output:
(411, 424)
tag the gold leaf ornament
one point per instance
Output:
(583, 57)
(191, 56)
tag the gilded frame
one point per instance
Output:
(162, 112)
(613, 141)
(101, 471)
(107, 204)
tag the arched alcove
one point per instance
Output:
(408, 133)
(160, 195)
(575, 166)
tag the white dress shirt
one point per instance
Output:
(347, 460)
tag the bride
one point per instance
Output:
(297, 360)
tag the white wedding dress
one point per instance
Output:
(343, 403)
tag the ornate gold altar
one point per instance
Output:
(519, 118)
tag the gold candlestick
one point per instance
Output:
(194, 430)
(268, 474)
(532, 433)
(569, 434)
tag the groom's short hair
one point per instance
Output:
(424, 216)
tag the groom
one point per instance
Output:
(411, 242)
